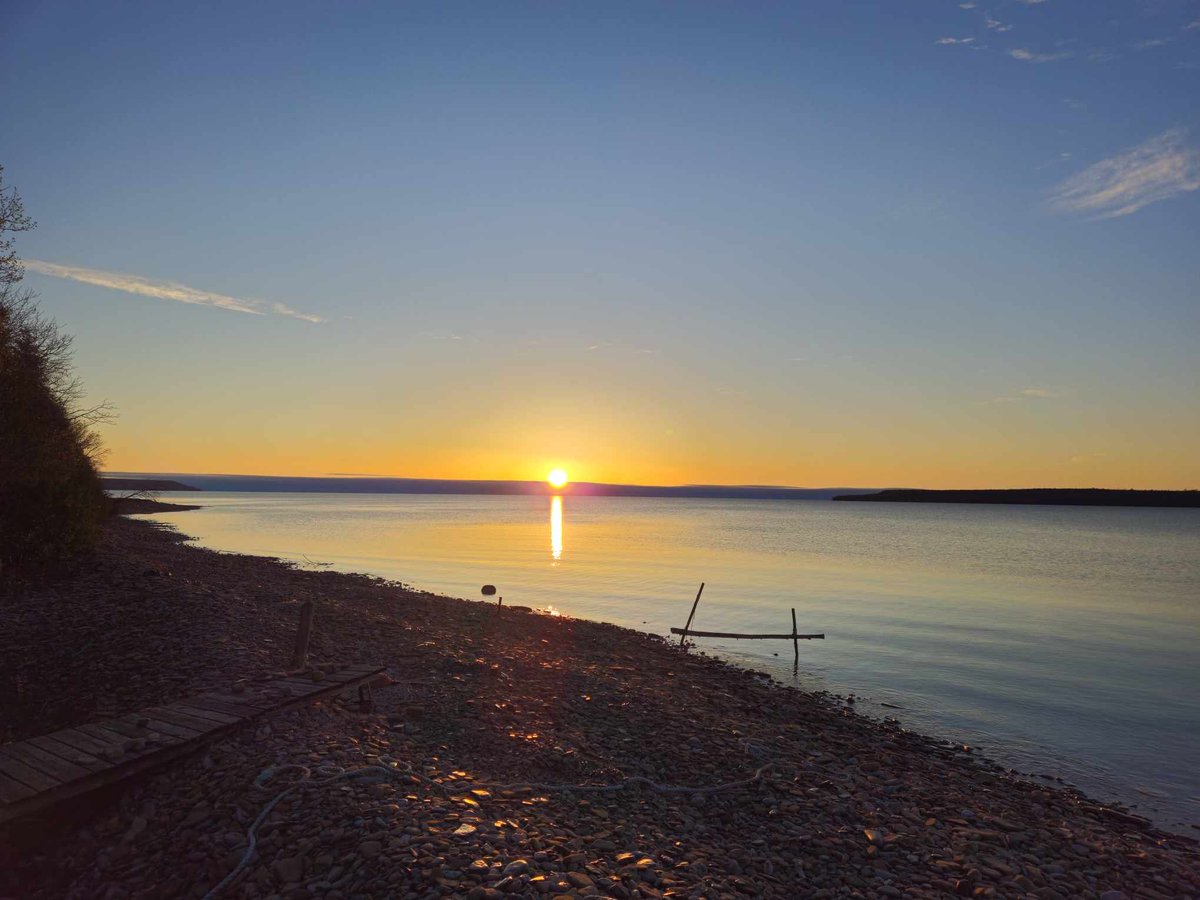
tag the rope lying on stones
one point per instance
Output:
(396, 768)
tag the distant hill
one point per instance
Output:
(1036, 496)
(370, 485)
(143, 484)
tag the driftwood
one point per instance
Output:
(695, 603)
(795, 637)
(686, 632)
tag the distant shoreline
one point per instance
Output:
(375, 485)
(136, 506)
(355, 485)
(1038, 497)
(145, 484)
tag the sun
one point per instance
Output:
(557, 478)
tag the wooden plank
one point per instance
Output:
(51, 768)
(253, 701)
(12, 790)
(175, 717)
(153, 739)
(119, 750)
(287, 688)
(209, 702)
(68, 753)
(165, 728)
(83, 742)
(125, 730)
(17, 767)
(37, 759)
(749, 637)
(304, 684)
(106, 736)
(196, 712)
(359, 671)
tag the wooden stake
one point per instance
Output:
(795, 637)
(300, 653)
(695, 603)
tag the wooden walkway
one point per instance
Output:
(41, 771)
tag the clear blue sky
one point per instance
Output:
(929, 243)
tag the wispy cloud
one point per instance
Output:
(1152, 42)
(166, 290)
(954, 40)
(966, 6)
(1029, 56)
(1058, 160)
(1162, 167)
(1030, 393)
(996, 24)
(1032, 2)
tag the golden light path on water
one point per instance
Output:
(556, 527)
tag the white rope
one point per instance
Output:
(395, 768)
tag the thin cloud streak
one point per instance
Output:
(1031, 393)
(165, 290)
(1029, 56)
(1159, 169)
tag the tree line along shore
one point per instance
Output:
(1035, 497)
(841, 806)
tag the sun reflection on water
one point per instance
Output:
(556, 527)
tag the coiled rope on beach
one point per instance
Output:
(398, 769)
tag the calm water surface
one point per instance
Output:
(1059, 640)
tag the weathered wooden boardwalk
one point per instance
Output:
(42, 771)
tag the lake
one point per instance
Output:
(1057, 640)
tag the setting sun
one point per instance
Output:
(557, 478)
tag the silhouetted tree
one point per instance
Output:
(12, 219)
(51, 500)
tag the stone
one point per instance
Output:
(370, 849)
(290, 869)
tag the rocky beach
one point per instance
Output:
(509, 753)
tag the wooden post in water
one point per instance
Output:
(683, 637)
(300, 652)
(795, 639)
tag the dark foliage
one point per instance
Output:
(51, 500)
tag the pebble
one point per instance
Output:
(289, 869)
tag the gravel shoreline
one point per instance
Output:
(843, 806)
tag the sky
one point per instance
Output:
(896, 243)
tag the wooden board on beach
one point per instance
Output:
(41, 771)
